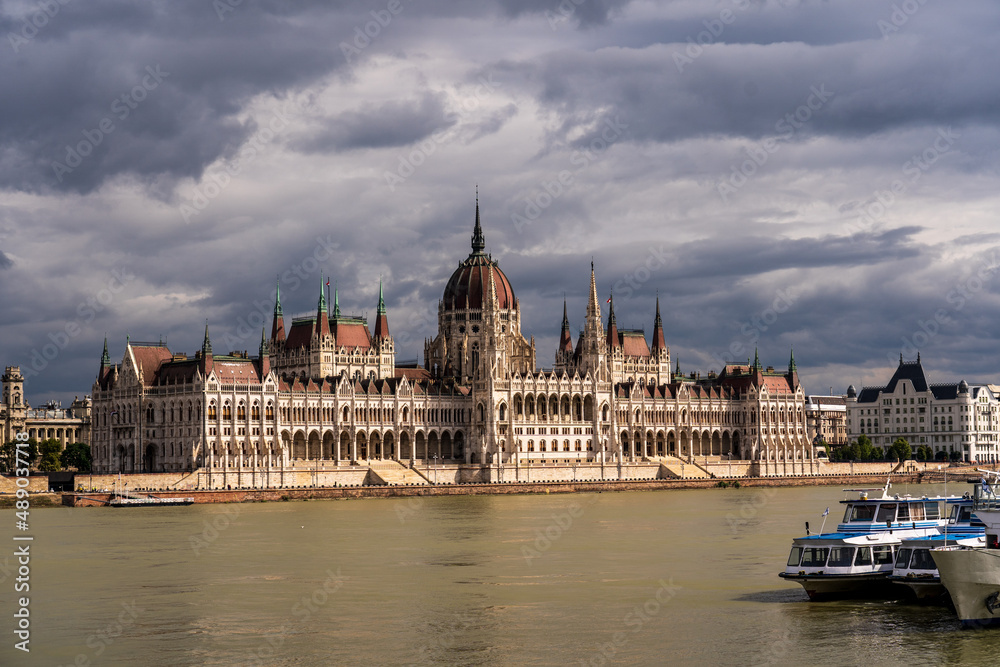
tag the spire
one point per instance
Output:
(336, 302)
(265, 363)
(658, 342)
(478, 241)
(381, 320)
(322, 320)
(277, 296)
(593, 305)
(206, 345)
(791, 361)
(565, 339)
(278, 322)
(105, 358)
(756, 360)
(613, 341)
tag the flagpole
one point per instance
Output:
(823, 525)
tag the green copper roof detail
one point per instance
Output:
(381, 301)
(322, 295)
(277, 297)
(105, 358)
(791, 361)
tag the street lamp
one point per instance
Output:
(434, 466)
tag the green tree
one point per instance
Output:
(900, 450)
(8, 456)
(49, 450)
(941, 456)
(924, 453)
(956, 456)
(76, 455)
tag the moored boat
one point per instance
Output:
(839, 565)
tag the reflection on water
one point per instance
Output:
(628, 578)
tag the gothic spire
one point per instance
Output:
(381, 319)
(105, 358)
(277, 297)
(478, 240)
(658, 342)
(322, 320)
(593, 305)
(756, 360)
(206, 345)
(336, 303)
(791, 361)
(262, 350)
(322, 296)
(565, 338)
(278, 321)
(613, 341)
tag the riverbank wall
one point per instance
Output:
(510, 488)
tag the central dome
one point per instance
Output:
(469, 284)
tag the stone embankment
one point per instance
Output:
(317, 493)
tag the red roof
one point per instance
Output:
(470, 282)
(634, 344)
(413, 374)
(149, 360)
(352, 334)
(300, 334)
(230, 372)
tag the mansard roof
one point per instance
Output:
(148, 357)
(908, 370)
(348, 332)
(230, 370)
(633, 342)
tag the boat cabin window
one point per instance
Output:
(814, 556)
(903, 559)
(904, 512)
(916, 511)
(840, 557)
(859, 513)
(864, 556)
(886, 512)
(992, 542)
(883, 555)
(931, 511)
(961, 514)
(795, 556)
(922, 560)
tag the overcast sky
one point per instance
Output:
(783, 173)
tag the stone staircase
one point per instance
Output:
(393, 473)
(673, 467)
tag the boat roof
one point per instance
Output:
(851, 538)
(906, 499)
(951, 536)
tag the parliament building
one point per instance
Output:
(324, 391)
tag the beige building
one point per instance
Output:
(326, 391)
(827, 419)
(49, 421)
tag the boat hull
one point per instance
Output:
(972, 577)
(929, 589)
(843, 586)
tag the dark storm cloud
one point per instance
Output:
(5, 261)
(380, 126)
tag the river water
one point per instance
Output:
(639, 578)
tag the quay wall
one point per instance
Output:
(265, 495)
(36, 484)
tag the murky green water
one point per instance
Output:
(615, 578)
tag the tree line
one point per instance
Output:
(863, 450)
(46, 456)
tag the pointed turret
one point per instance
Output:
(659, 344)
(593, 305)
(322, 320)
(382, 321)
(206, 354)
(278, 322)
(478, 240)
(565, 339)
(336, 303)
(613, 341)
(262, 354)
(105, 358)
(791, 361)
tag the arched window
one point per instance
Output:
(227, 412)
(212, 413)
(241, 412)
(269, 412)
